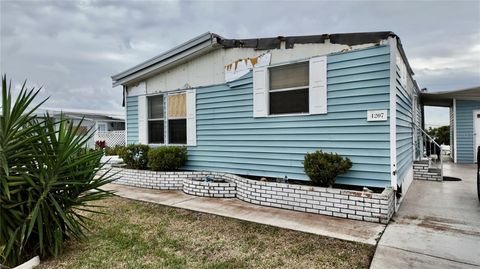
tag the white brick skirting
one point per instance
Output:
(358, 205)
(150, 179)
(209, 189)
(341, 203)
(421, 171)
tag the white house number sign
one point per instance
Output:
(377, 115)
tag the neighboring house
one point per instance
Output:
(108, 126)
(464, 121)
(257, 106)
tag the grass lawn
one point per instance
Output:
(141, 235)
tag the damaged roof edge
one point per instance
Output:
(404, 56)
(210, 40)
(350, 39)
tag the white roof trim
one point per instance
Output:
(198, 45)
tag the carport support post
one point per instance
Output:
(393, 114)
(454, 130)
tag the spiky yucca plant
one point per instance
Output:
(47, 179)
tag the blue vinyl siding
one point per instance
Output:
(465, 138)
(229, 138)
(132, 119)
(404, 129)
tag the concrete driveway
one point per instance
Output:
(437, 226)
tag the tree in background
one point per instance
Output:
(440, 134)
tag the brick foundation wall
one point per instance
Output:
(357, 205)
(209, 189)
(349, 204)
(421, 171)
(150, 179)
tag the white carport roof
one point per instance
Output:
(446, 98)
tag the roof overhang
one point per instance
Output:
(184, 52)
(446, 98)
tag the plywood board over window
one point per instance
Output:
(177, 106)
(82, 130)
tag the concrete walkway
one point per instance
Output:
(437, 226)
(352, 230)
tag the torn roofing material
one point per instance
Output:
(349, 39)
(211, 41)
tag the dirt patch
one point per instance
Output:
(447, 225)
(439, 224)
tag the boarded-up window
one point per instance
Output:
(82, 130)
(177, 106)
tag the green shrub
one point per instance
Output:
(109, 151)
(135, 156)
(323, 168)
(47, 180)
(168, 158)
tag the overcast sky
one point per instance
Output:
(73, 47)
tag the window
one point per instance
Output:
(299, 88)
(177, 118)
(177, 131)
(155, 120)
(102, 127)
(289, 87)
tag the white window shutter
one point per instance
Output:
(142, 119)
(191, 118)
(260, 92)
(318, 85)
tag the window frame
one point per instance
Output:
(103, 124)
(155, 119)
(167, 119)
(288, 89)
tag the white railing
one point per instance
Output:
(111, 138)
(431, 149)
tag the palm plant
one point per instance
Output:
(47, 180)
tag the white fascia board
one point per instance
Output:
(168, 62)
(169, 53)
(393, 112)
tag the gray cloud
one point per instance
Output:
(73, 47)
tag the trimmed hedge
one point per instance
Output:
(134, 156)
(167, 158)
(323, 168)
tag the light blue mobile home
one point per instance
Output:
(257, 106)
